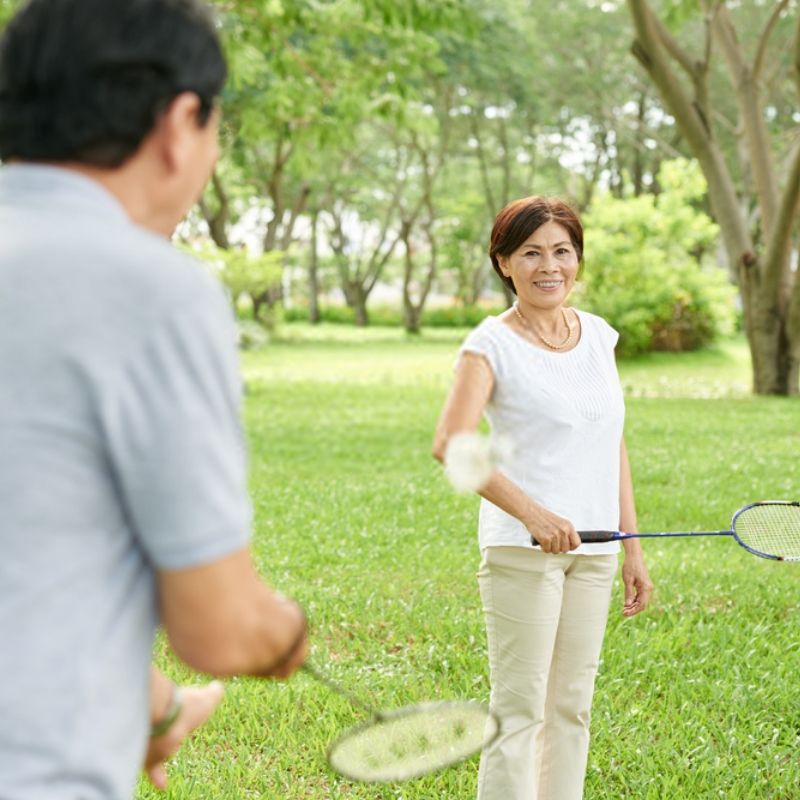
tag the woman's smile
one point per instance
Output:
(548, 284)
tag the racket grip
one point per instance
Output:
(589, 537)
(597, 536)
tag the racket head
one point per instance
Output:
(770, 529)
(413, 741)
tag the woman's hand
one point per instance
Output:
(636, 579)
(554, 534)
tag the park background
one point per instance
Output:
(367, 146)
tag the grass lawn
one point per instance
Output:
(696, 699)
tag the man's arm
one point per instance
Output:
(221, 618)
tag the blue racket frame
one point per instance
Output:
(613, 536)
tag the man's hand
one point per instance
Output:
(199, 703)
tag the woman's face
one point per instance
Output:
(544, 267)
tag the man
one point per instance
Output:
(122, 468)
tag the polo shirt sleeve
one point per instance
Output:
(174, 439)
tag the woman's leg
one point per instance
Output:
(521, 590)
(563, 742)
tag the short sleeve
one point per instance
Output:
(483, 342)
(609, 334)
(172, 429)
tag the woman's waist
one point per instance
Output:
(585, 512)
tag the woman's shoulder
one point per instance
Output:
(485, 330)
(594, 320)
(592, 323)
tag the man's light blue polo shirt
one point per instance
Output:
(120, 453)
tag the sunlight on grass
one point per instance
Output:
(338, 353)
(723, 371)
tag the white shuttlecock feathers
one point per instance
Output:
(470, 459)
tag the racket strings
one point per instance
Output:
(772, 529)
(413, 742)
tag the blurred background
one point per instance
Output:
(369, 144)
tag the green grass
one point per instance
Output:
(696, 699)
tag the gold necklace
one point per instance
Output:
(545, 341)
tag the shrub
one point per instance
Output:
(387, 316)
(649, 269)
(251, 280)
(456, 316)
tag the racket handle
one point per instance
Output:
(598, 536)
(590, 537)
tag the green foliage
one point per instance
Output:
(648, 267)
(7, 10)
(457, 316)
(246, 276)
(339, 315)
(386, 316)
(677, 12)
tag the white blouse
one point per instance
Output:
(563, 414)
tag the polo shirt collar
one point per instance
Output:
(34, 183)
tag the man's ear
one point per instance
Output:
(176, 130)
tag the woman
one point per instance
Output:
(545, 376)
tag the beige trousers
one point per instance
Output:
(545, 620)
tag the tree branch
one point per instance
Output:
(671, 45)
(756, 135)
(651, 50)
(487, 186)
(796, 59)
(776, 259)
(763, 40)
(217, 221)
(298, 207)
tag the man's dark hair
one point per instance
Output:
(85, 80)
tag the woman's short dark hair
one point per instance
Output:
(85, 80)
(520, 218)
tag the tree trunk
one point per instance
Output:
(356, 298)
(776, 364)
(412, 318)
(412, 312)
(313, 273)
(217, 220)
(360, 309)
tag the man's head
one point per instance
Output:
(121, 89)
(85, 80)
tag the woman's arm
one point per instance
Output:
(638, 586)
(471, 390)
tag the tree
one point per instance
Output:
(756, 218)
(245, 275)
(305, 76)
(363, 233)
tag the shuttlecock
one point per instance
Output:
(470, 459)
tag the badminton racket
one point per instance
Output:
(407, 742)
(770, 529)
